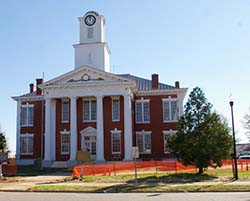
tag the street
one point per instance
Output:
(227, 196)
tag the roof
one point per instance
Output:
(145, 84)
(141, 83)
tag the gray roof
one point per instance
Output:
(144, 84)
(29, 94)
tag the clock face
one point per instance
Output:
(90, 20)
(85, 77)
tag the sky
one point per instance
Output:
(203, 43)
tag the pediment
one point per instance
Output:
(88, 131)
(84, 75)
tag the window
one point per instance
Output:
(27, 115)
(143, 141)
(115, 110)
(65, 142)
(89, 110)
(65, 111)
(170, 110)
(90, 31)
(26, 144)
(166, 134)
(142, 111)
(116, 141)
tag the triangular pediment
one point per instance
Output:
(84, 75)
(88, 131)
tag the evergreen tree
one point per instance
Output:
(3, 142)
(202, 138)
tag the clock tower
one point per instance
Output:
(92, 50)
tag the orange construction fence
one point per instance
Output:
(157, 166)
(114, 167)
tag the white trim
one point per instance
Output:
(27, 105)
(64, 132)
(84, 69)
(142, 101)
(116, 132)
(167, 133)
(18, 126)
(26, 138)
(162, 92)
(118, 99)
(143, 133)
(170, 100)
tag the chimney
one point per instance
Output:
(38, 82)
(177, 84)
(31, 87)
(155, 82)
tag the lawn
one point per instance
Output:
(161, 182)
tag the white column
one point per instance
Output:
(180, 105)
(53, 130)
(47, 147)
(18, 125)
(73, 128)
(99, 125)
(128, 137)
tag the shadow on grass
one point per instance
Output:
(153, 182)
(175, 178)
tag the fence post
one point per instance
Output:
(156, 167)
(114, 168)
(175, 166)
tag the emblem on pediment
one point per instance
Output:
(85, 77)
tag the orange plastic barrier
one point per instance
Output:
(113, 167)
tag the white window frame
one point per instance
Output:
(27, 106)
(169, 101)
(90, 100)
(118, 117)
(143, 134)
(65, 101)
(62, 133)
(167, 133)
(26, 136)
(112, 133)
(142, 101)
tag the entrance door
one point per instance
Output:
(88, 141)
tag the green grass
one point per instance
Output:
(150, 178)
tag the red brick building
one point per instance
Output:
(93, 109)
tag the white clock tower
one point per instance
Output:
(92, 50)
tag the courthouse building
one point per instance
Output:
(91, 108)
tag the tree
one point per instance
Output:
(202, 137)
(246, 124)
(3, 142)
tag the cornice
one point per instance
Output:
(28, 98)
(162, 92)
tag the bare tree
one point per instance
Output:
(246, 124)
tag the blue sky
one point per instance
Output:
(203, 43)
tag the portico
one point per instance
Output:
(82, 90)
